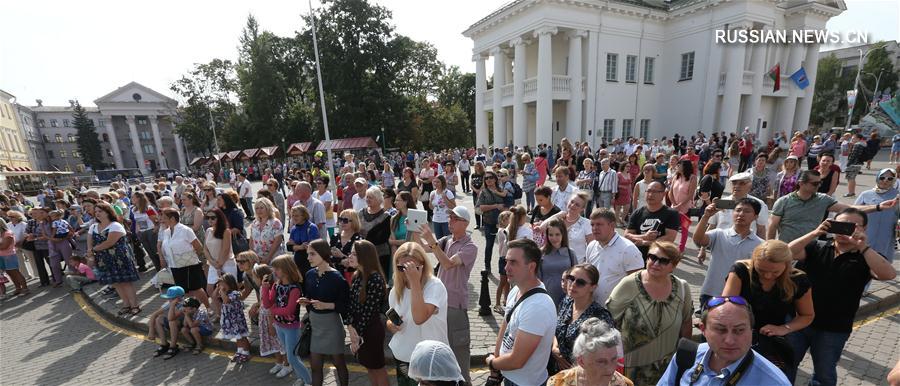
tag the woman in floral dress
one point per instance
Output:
(266, 236)
(113, 256)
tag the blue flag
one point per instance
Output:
(800, 78)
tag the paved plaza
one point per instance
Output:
(52, 337)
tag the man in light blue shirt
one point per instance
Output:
(727, 325)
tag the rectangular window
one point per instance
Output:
(645, 128)
(62, 154)
(46, 138)
(101, 123)
(609, 126)
(142, 121)
(612, 67)
(648, 70)
(146, 134)
(65, 123)
(50, 154)
(71, 138)
(59, 138)
(687, 66)
(148, 149)
(627, 125)
(76, 154)
(631, 68)
(52, 123)
(40, 123)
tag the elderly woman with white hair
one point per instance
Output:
(375, 226)
(597, 358)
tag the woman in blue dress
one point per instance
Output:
(112, 254)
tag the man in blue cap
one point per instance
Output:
(882, 224)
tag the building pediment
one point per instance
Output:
(135, 93)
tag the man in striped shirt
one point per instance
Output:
(607, 184)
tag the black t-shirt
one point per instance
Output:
(663, 220)
(537, 217)
(711, 185)
(769, 307)
(838, 283)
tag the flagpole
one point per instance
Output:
(330, 161)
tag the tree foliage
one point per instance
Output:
(88, 142)
(373, 78)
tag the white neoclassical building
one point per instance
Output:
(591, 69)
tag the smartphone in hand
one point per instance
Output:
(841, 227)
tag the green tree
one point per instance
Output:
(878, 61)
(827, 95)
(261, 90)
(88, 143)
(208, 87)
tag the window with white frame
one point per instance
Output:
(65, 123)
(59, 138)
(648, 69)
(627, 125)
(645, 128)
(142, 121)
(62, 154)
(687, 66)
(612, 67)
(148, 149)
(52, 123)
(71, 138)
(631, 68)
(609, 126)
(41, 123)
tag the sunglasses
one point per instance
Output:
(814, 183)
(885, 178)
(240, 261)
(343, 220)
(490, 178)
(579, 282)
(659, 260)
(210, 217)
(716, 301)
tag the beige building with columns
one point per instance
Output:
(595, 70)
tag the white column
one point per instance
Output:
(481, 124)
(499, 113)
(136, 143)
(179, 148)
(804, 104)
(157, 142)
(573, 107)
(520, 111)
(113, 142)
(715, 67)
(591, 105)
(788, 104)
(731, 100)
(544, 110)
(757, 66)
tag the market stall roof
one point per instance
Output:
(231, 155)
(268, 152)
(198, 160)
(299, 148)
(16, 168)
(248, 154)
(348, 144)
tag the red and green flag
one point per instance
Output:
(775, 74)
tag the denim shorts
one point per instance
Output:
(205, 331)
(8, 263)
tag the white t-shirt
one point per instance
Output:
(176, 241)
(439, 205)
(435, 328)
(358, 202)
(560, 198)
(330, 218)
(525, 232)
(613, 262)
(531, 317)
(576, 234)
(18, 230)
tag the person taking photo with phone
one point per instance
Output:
(838, 270)
(882, 228)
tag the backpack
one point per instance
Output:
(517, 191)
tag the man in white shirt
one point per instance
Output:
(613, 255)
(563, 189)
(246, 193)
(359, 199)
(526, 334)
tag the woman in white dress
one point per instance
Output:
(218, 254)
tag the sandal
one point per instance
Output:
(135, 310)
(499, 309)
(171, 353)
(197, 350)
(160, 351)
(124, 311)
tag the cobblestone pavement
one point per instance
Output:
(42, 337)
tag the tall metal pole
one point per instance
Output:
(855, 88)
(212, 126)
(312, 17)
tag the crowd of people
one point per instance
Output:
(323, 265)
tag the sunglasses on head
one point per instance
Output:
(659, 260)
(716, 301)
(343, 220)
(579, 282)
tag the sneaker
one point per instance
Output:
(849, 194)
(285, 371)
(299, 382)
(275, 369)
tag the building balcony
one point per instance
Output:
(561, 90)
(787, 85)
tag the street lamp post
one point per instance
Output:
(383, 141)
(877, 82)
(856, 82)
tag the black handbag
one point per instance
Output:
(302, 347)
(239, 243)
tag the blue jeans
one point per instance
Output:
(490, 235)
(441, 229)
(529, 200)
(825, 348)
(289, 338)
